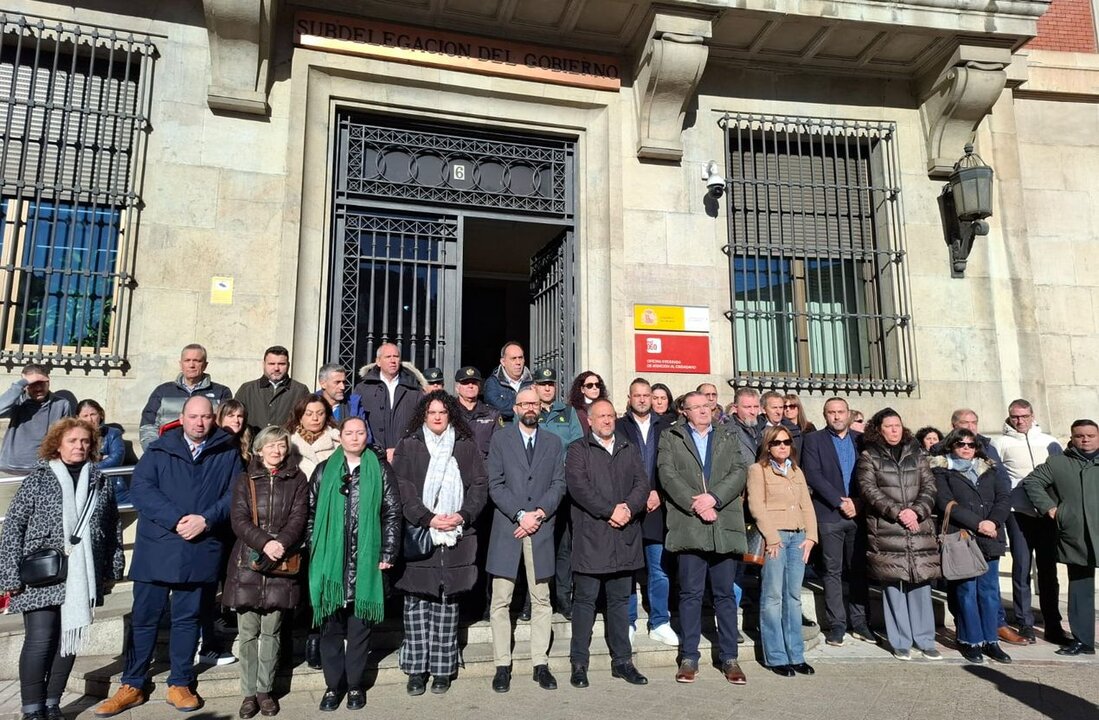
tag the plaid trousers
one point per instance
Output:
(430, 637)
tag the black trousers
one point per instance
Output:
(616, 621)
(843, 556)
(562, 585)
(1081, 603)
(42, 671)
(1039, 537)
(345, 645)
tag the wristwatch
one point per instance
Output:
(519, 515)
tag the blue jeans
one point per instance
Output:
(659, 586)
(780, 602)
(977, 606)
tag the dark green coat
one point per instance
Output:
(679, 469)
(1070, 483)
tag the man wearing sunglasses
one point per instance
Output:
(1032, 538)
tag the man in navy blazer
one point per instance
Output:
(828, 458)
(181, 489)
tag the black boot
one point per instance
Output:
(313, 651)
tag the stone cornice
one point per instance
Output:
(240, 34)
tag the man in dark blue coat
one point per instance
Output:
(181, 490)
(828, 460)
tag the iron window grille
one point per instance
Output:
(73, 122)
(820, 298)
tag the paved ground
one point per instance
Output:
(840, 690)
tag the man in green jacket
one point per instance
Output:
(703, 475)
(1066, 488)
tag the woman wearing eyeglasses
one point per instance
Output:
(795, 413)
(586, 389)
(898, 490)
(268, 514)
(444, 487)
(982, 500)
(778, 497)
(355, 534)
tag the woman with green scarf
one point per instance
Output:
(355, 533)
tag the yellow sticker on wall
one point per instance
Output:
(221, 290)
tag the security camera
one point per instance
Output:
(715, 183)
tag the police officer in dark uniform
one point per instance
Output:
(433, 378)
(481, 417)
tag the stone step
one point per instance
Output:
(98, 676)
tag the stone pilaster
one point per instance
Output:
(668, 70)
(955, 97)
(240, 53)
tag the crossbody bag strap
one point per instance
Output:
(255, 511)
(74, 539)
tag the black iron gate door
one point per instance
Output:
(552, 310)
(397, 279)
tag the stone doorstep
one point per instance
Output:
(97, 676)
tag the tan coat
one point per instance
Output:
(780, 502)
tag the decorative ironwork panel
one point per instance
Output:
(816, 252)
(552, 308)
(456, 167)
(397, 281)
(74, 107)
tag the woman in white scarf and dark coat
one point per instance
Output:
(65, 505)
(444, 487)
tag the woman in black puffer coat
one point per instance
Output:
(979, 499)
(898, 489)
(268, 513)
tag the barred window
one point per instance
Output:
(816, 255)
(73, 119)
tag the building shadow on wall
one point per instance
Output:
(1049, 701)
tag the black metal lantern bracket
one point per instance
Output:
(965, 202)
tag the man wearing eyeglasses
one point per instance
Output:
(1023, 447)
(703, 475)
(709, 391)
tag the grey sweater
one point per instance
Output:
(29, 421)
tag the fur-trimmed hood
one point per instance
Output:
(408, 374)
(943, 462)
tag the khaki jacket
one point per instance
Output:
(780, 502)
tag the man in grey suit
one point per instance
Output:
(526, 482)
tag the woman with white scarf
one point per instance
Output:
(64, 499)
(981, 500)
(444, 487)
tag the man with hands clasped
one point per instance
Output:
(526, 482)
(609, 489)
(181, 489)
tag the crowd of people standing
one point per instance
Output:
(330, 501)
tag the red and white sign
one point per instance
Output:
(678, 353)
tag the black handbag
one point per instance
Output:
(417, 543)
(50, 566)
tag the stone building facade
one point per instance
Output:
(597, 120)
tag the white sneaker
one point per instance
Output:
(664, 634)
(213, 657)
(633, 631)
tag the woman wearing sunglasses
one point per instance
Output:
(778, 497)
(898, 490)
(982, 504)
(586, 389)
(355, 534)
(795, 413)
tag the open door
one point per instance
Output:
(553, 308)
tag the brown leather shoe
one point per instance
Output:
(1011, 637)
(125, 698)
(181, 698)
(249, 708)
(687, 671)
(733, 673)
(268, 706)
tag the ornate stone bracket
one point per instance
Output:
(955, 98)
(240, 54)
(668, 70)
